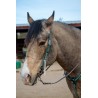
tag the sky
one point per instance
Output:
(65, 10)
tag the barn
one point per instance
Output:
(21, 31)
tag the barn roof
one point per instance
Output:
(26, 26)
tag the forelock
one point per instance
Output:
(34, 30)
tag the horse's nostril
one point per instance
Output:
(27, 79)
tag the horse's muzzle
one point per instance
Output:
(28, 80)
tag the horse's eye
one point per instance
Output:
(42, 43)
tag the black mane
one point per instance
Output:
(34, 30)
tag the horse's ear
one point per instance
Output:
(29, 18)
(50, 20)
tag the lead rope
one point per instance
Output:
(65, 76)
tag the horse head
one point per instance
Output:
(37, 42)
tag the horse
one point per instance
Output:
(48, 41)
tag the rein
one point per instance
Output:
(66, 75)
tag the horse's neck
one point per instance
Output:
(68, 50)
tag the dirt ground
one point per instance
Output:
(59, 90)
